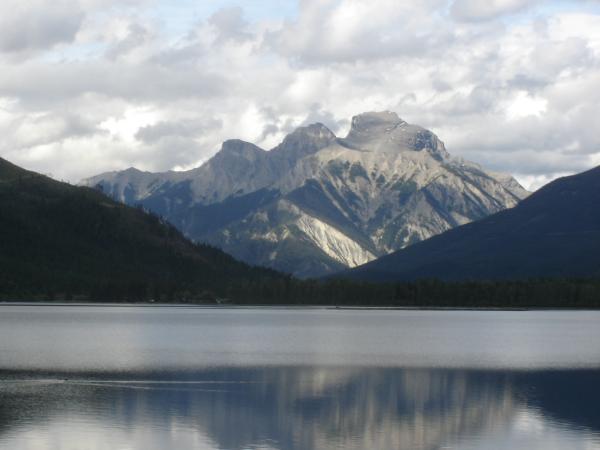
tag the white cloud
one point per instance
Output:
(350, 30)
(534, 182)
(116, 89)
(523, 105)
(126, 126)
(478, 10)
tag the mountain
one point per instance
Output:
(74, 241)
(316, 203)
(553, 233)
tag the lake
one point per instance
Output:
(116, 377)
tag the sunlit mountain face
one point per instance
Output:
(317, 203)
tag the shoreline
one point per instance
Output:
(286, 307)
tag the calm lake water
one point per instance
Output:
(79, 377)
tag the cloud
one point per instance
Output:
(33, 25)
(230, 24)
(135, 36)
(116, 87)
(351, 30)
(27, 131)
(38, 83)
(182, 128)
(477, 10)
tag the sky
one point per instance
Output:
(88, 86)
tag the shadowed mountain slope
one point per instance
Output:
(67, 240)
(553, 233)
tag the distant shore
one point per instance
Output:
(283, 306)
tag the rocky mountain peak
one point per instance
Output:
(305, 141)
(314, 130)
(130, 171)
(316, 203)
(374, 123)
(239, 148)
(386, 132)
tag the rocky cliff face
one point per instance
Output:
(317, 203)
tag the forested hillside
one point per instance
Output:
(555, 233)
(62, 241)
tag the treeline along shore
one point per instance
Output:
(540, 293)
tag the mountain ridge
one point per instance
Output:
(384, 186)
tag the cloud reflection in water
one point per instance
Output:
(302, 408)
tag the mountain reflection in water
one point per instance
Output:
(301, 408)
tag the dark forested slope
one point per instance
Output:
(553, 233)
(58, 240)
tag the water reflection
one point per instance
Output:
(302, 408)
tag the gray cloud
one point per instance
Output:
(330, 31)
(151, 134)
(230, 24)
(111, 87)
(137, 35)
(477, 10)
(320, 114)
(28, 131)
(36, 25)
(51, 84)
